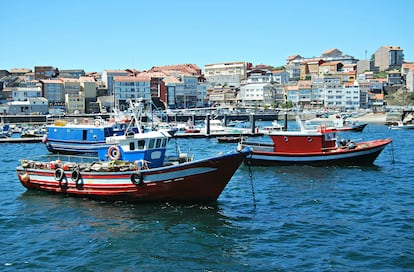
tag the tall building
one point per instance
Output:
(388, 58)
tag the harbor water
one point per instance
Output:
(290, 218)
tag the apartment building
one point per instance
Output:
(52, 90)
(75, 103)
(24, 93)
(108, 78)
(257, 94)
(227, 74)
(131, 88)
(388, 57)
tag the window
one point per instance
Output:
(141, 144)
(158, 145)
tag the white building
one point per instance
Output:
(75, 103)
(407, 71)
(37, 105)
(24, 93)
(227, 74)
(108, 78)
(342, 96)
(131, 88)
(257, 94)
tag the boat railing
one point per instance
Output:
(65, 158)
(258, 146)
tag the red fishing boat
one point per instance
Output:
(313, 147)
(194, 181)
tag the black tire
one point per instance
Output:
(137, 178)
(59, 174)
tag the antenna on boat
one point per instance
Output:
(136, 115)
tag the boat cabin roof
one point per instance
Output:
(137, 136)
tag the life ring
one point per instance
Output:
(114, 153)
(59, 174)
(137, 178)
(97, 123)
(75, 176)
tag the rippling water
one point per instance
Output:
(283, 219)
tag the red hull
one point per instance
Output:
(364, 153)
(197, 181)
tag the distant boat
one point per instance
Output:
(340, 124)
(275, 126)
(401, 125)
(229, 139)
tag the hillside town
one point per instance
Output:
(333, 80)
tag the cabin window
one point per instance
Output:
(151, 143)
(132, 146)
(158, 145)
(164, 142)
(84, 135)
(141, 144)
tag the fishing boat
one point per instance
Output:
(133, 181)
(313, 147)
(80, 137)
(134, 167)
(88, 135)
(198, 181)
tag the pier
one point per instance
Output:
(21, 140)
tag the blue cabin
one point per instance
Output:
(149, 147)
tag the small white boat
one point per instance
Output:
(401, 125)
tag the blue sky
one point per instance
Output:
(98, 35)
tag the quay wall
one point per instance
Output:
(41, 119)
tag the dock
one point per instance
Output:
(213, 135)
(21, 140)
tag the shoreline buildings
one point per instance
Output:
(332, 80)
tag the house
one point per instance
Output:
(31, 106)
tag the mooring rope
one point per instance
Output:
(251, 182)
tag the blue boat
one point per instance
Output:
(86, 137)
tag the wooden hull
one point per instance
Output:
(365, 153)
(197, 181)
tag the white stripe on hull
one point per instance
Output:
(316, 158)
(107, 179)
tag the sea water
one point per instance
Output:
(287, 218)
